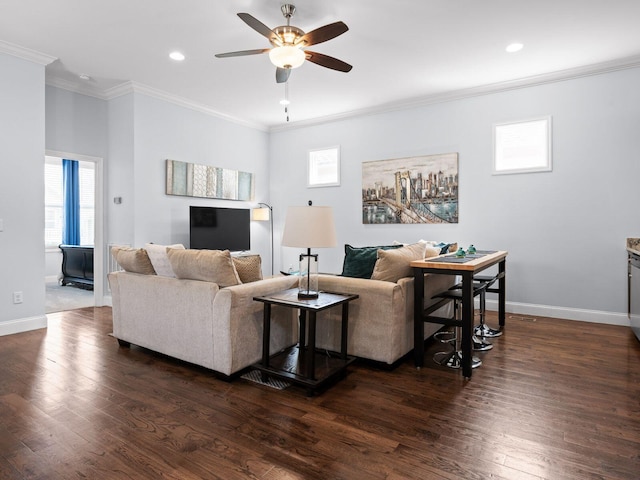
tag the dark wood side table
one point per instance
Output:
(466, 268)
(302, 364)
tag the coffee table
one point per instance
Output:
(303, 364)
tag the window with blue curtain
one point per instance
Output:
(54, 202)
(71, 202)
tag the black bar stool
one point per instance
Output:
(480, 342)
(483, 330)
(453, 358)
(447, 358)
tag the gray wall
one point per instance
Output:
(166, 131)
(75, 123)
(22, 126)
(565, 230)
(120, 171)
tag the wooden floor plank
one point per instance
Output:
(554, 399)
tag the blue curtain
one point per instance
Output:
(71, 203)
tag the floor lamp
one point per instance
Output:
(263, 213)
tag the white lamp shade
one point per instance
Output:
(309, 227)
(260, 214)
(287, 56)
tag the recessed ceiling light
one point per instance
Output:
(284, 101)
(84, 76)
(514, 47)
(177, 56)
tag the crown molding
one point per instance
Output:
(74, 87)
(26, 53)
(118, 91)
(553, 77)
(128, 87)
(135, 87)
(536, 80)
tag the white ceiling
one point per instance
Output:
(402, 51)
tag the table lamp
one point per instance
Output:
(309, 227)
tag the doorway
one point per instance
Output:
(58, 297)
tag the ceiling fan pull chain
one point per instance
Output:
(286, 99)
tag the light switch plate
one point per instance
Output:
(1, 225)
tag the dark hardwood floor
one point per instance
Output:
(554, 399)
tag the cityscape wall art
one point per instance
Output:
(420, 189)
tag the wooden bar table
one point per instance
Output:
(466, 267)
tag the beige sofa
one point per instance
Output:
(381, 319)
(198, 322)
(211, 321)
(207, 315)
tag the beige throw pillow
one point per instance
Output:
(133, 260)
(431, 252)
(213, 266)
(159, 259)
(249, 268)
(392, 265)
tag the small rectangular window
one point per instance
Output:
(522, 147)
(324, 167)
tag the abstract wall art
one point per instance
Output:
(204, 181)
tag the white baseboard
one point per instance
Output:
(23, 325)
(107, 301)
(579, 314)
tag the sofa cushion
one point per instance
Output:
(444, 247)
(432, 252)
(213, 266)
(159, 259)
(359, 261)
(133, 260)
(392, 265)
(249, 268)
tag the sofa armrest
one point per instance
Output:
(238, 320)
(433, 283)
(375, 318)
(164, 314)
(381, 319)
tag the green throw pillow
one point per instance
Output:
(360, 261)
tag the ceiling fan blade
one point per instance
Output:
(323, 34)
(242, 53)
(327, 61)
(256, 24)
(282, 74)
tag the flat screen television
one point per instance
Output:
(215, 228)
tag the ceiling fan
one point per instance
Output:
(290, 43)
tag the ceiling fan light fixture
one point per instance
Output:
(287, 56)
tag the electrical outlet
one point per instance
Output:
(17, 297)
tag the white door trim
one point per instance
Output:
(99, 245)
